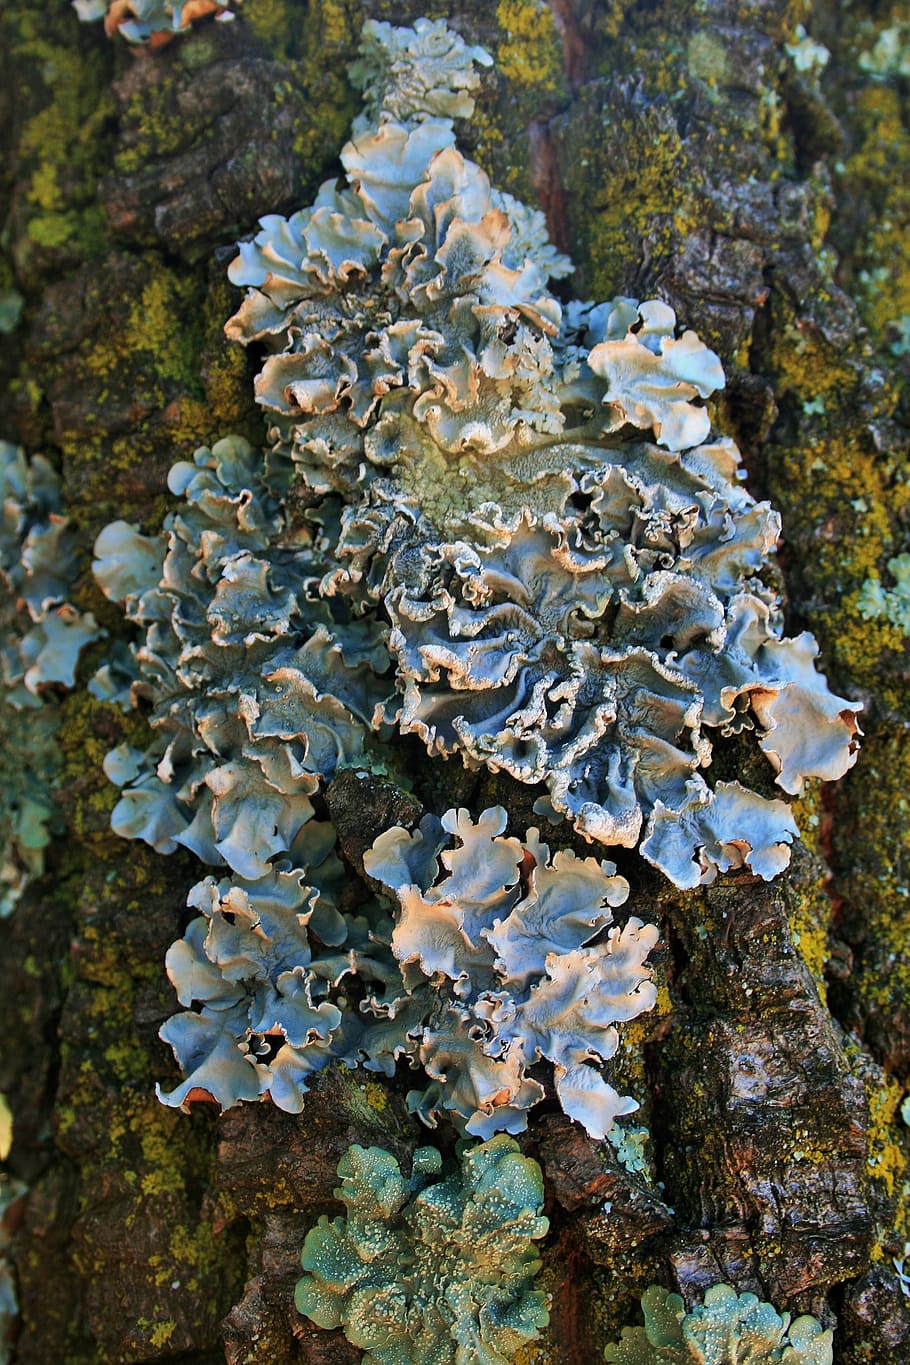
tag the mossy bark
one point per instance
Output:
(681, 148)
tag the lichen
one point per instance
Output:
(151, 21)
(504, 961)
(422, 1270)
(492, 521)
(12, 1193)
(273, 970)
(725, 1329)
(251, 687)
(568, 602)
(43, 637)
(891, 604)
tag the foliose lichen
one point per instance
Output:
(566, 599)
(44, 634)
(257, 691)
(273, 973)
(151, 21)
(38, 561)
(506, 959)
(891, 604)
(498, 959)
(727, 1328)
(421, 1270)
(12, 1193)
(488, 520)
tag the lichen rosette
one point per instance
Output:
(528, 497)
(725, 1328)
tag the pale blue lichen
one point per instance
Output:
(29, 816)
(506, 958)
(256, 692)
(421, 1271)
(524, 492)
(503, 959)
(272, 972)
(424, 72)
(491, 521)
(807, 55)
(727, 1329)
(891, 54)
(890, 604)
(38, 561)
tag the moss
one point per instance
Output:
(841, 497)
(161, 1333)
(619, 197)
(328, 40)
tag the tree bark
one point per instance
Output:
(679, 151)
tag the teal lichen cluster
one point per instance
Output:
(430, 1271)
(150, 21)
(726, 1329)
(43, 634)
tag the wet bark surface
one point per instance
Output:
(680, 150)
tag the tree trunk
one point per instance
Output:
(692, 150)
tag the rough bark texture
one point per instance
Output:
(679, 151)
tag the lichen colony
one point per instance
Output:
(487, 519)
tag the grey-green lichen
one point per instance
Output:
(726, 1329)
(426, 1271)
(890, 604)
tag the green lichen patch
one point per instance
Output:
(421, 1271)
(727, 1327)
